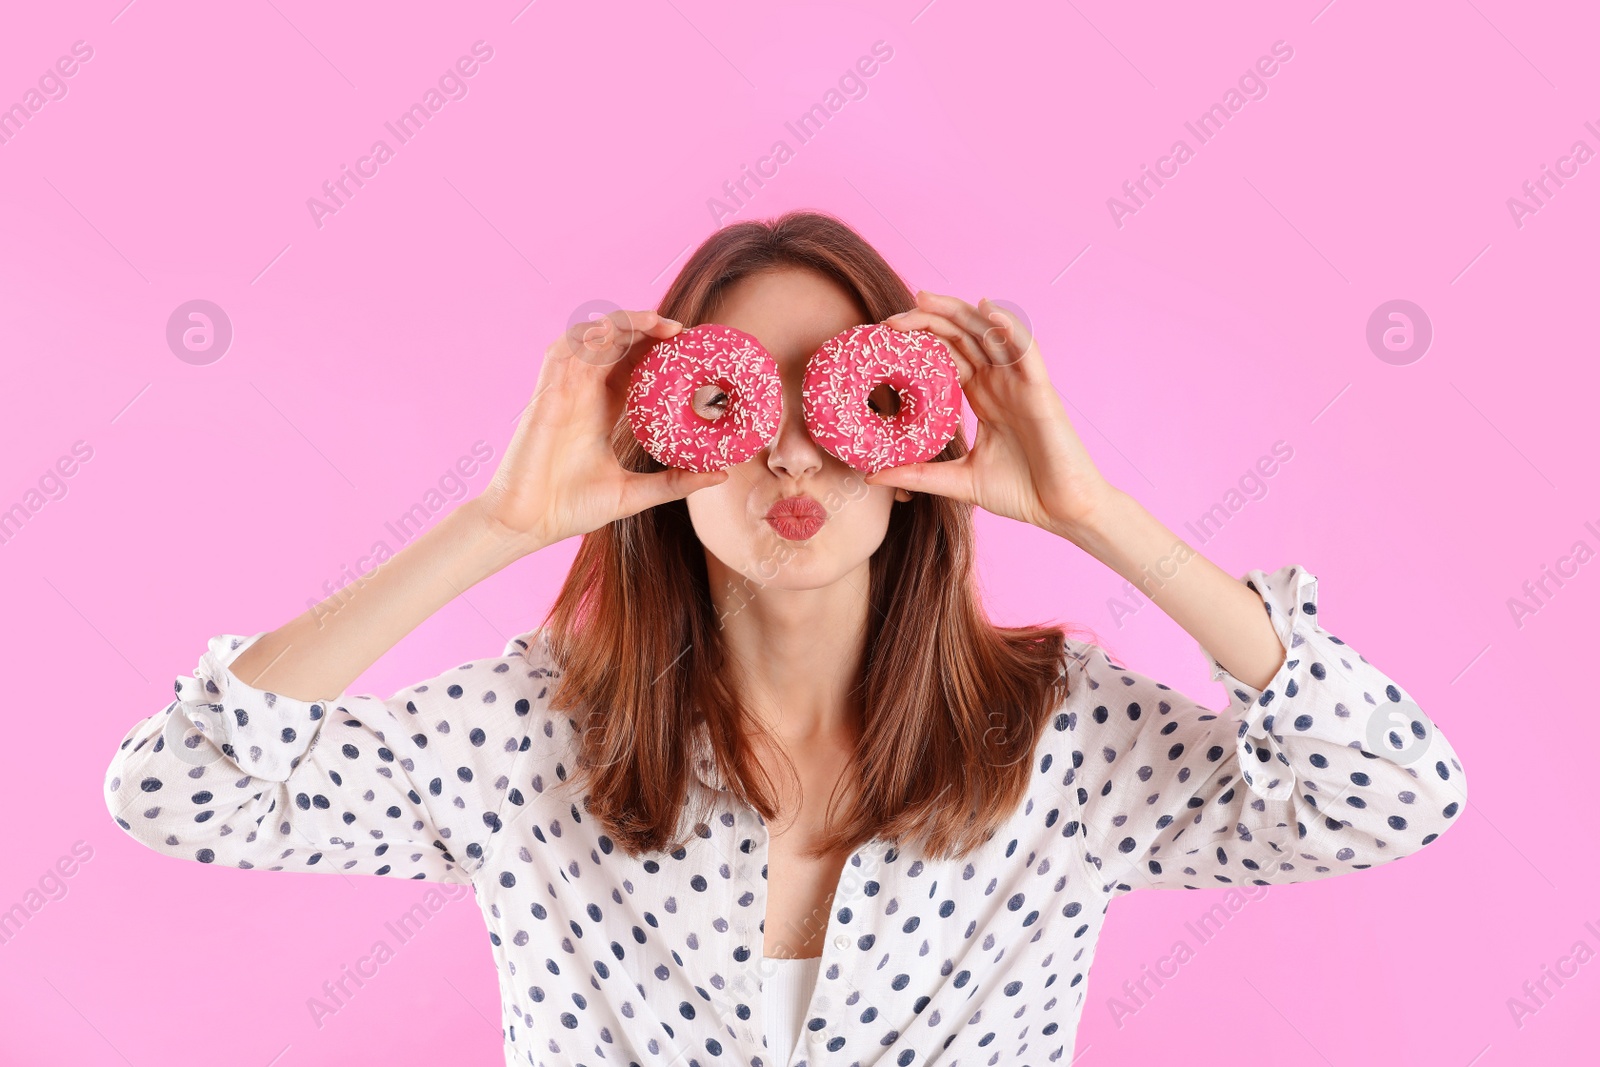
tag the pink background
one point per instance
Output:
(371, 353)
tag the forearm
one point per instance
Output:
(1218, 610)
(317, 654)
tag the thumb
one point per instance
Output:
(941, 479)
(674, 483)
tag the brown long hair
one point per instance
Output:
(953, 704)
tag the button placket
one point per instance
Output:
(748, 879)
(825, 998)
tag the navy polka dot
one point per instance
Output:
(974, 960)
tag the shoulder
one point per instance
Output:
(531, 650)
(1092, 674)
(1082, 671)
(532, 660)
(530, 645)
(1107, 705)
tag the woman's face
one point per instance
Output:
(791, 312)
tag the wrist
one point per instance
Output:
(1096, 520)
(498, 543)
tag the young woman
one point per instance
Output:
(763, 792)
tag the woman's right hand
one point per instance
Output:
(559, 476)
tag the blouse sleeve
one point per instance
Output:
(1331, 768)
(414, 786)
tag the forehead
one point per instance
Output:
(791, 311)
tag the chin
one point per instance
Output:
(782, 563)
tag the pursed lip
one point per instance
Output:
(799, 506)
(798, 517)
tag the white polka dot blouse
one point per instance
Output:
(607, 959)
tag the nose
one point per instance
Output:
(792, 451)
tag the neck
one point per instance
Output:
(798, 654)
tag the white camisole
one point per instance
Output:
(785, 995)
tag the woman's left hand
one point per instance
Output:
(1026, 461)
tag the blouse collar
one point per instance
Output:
(704, 758)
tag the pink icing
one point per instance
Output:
(662, 386)
(845, 371)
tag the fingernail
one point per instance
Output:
(671, 322)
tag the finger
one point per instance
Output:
(1007, 339)
(632, 335)
(959, 341)
(963, 364)
(637, 331)
(958, 338)
(641, 491)
(618, 336)
(997, 338)
(587, 341)
(963, 314)
(643, 327)
(949, 478)
(1004, 341)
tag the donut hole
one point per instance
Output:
(712, 400)
(884, 400)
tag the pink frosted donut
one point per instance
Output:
(661, 392)
(844, 372)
